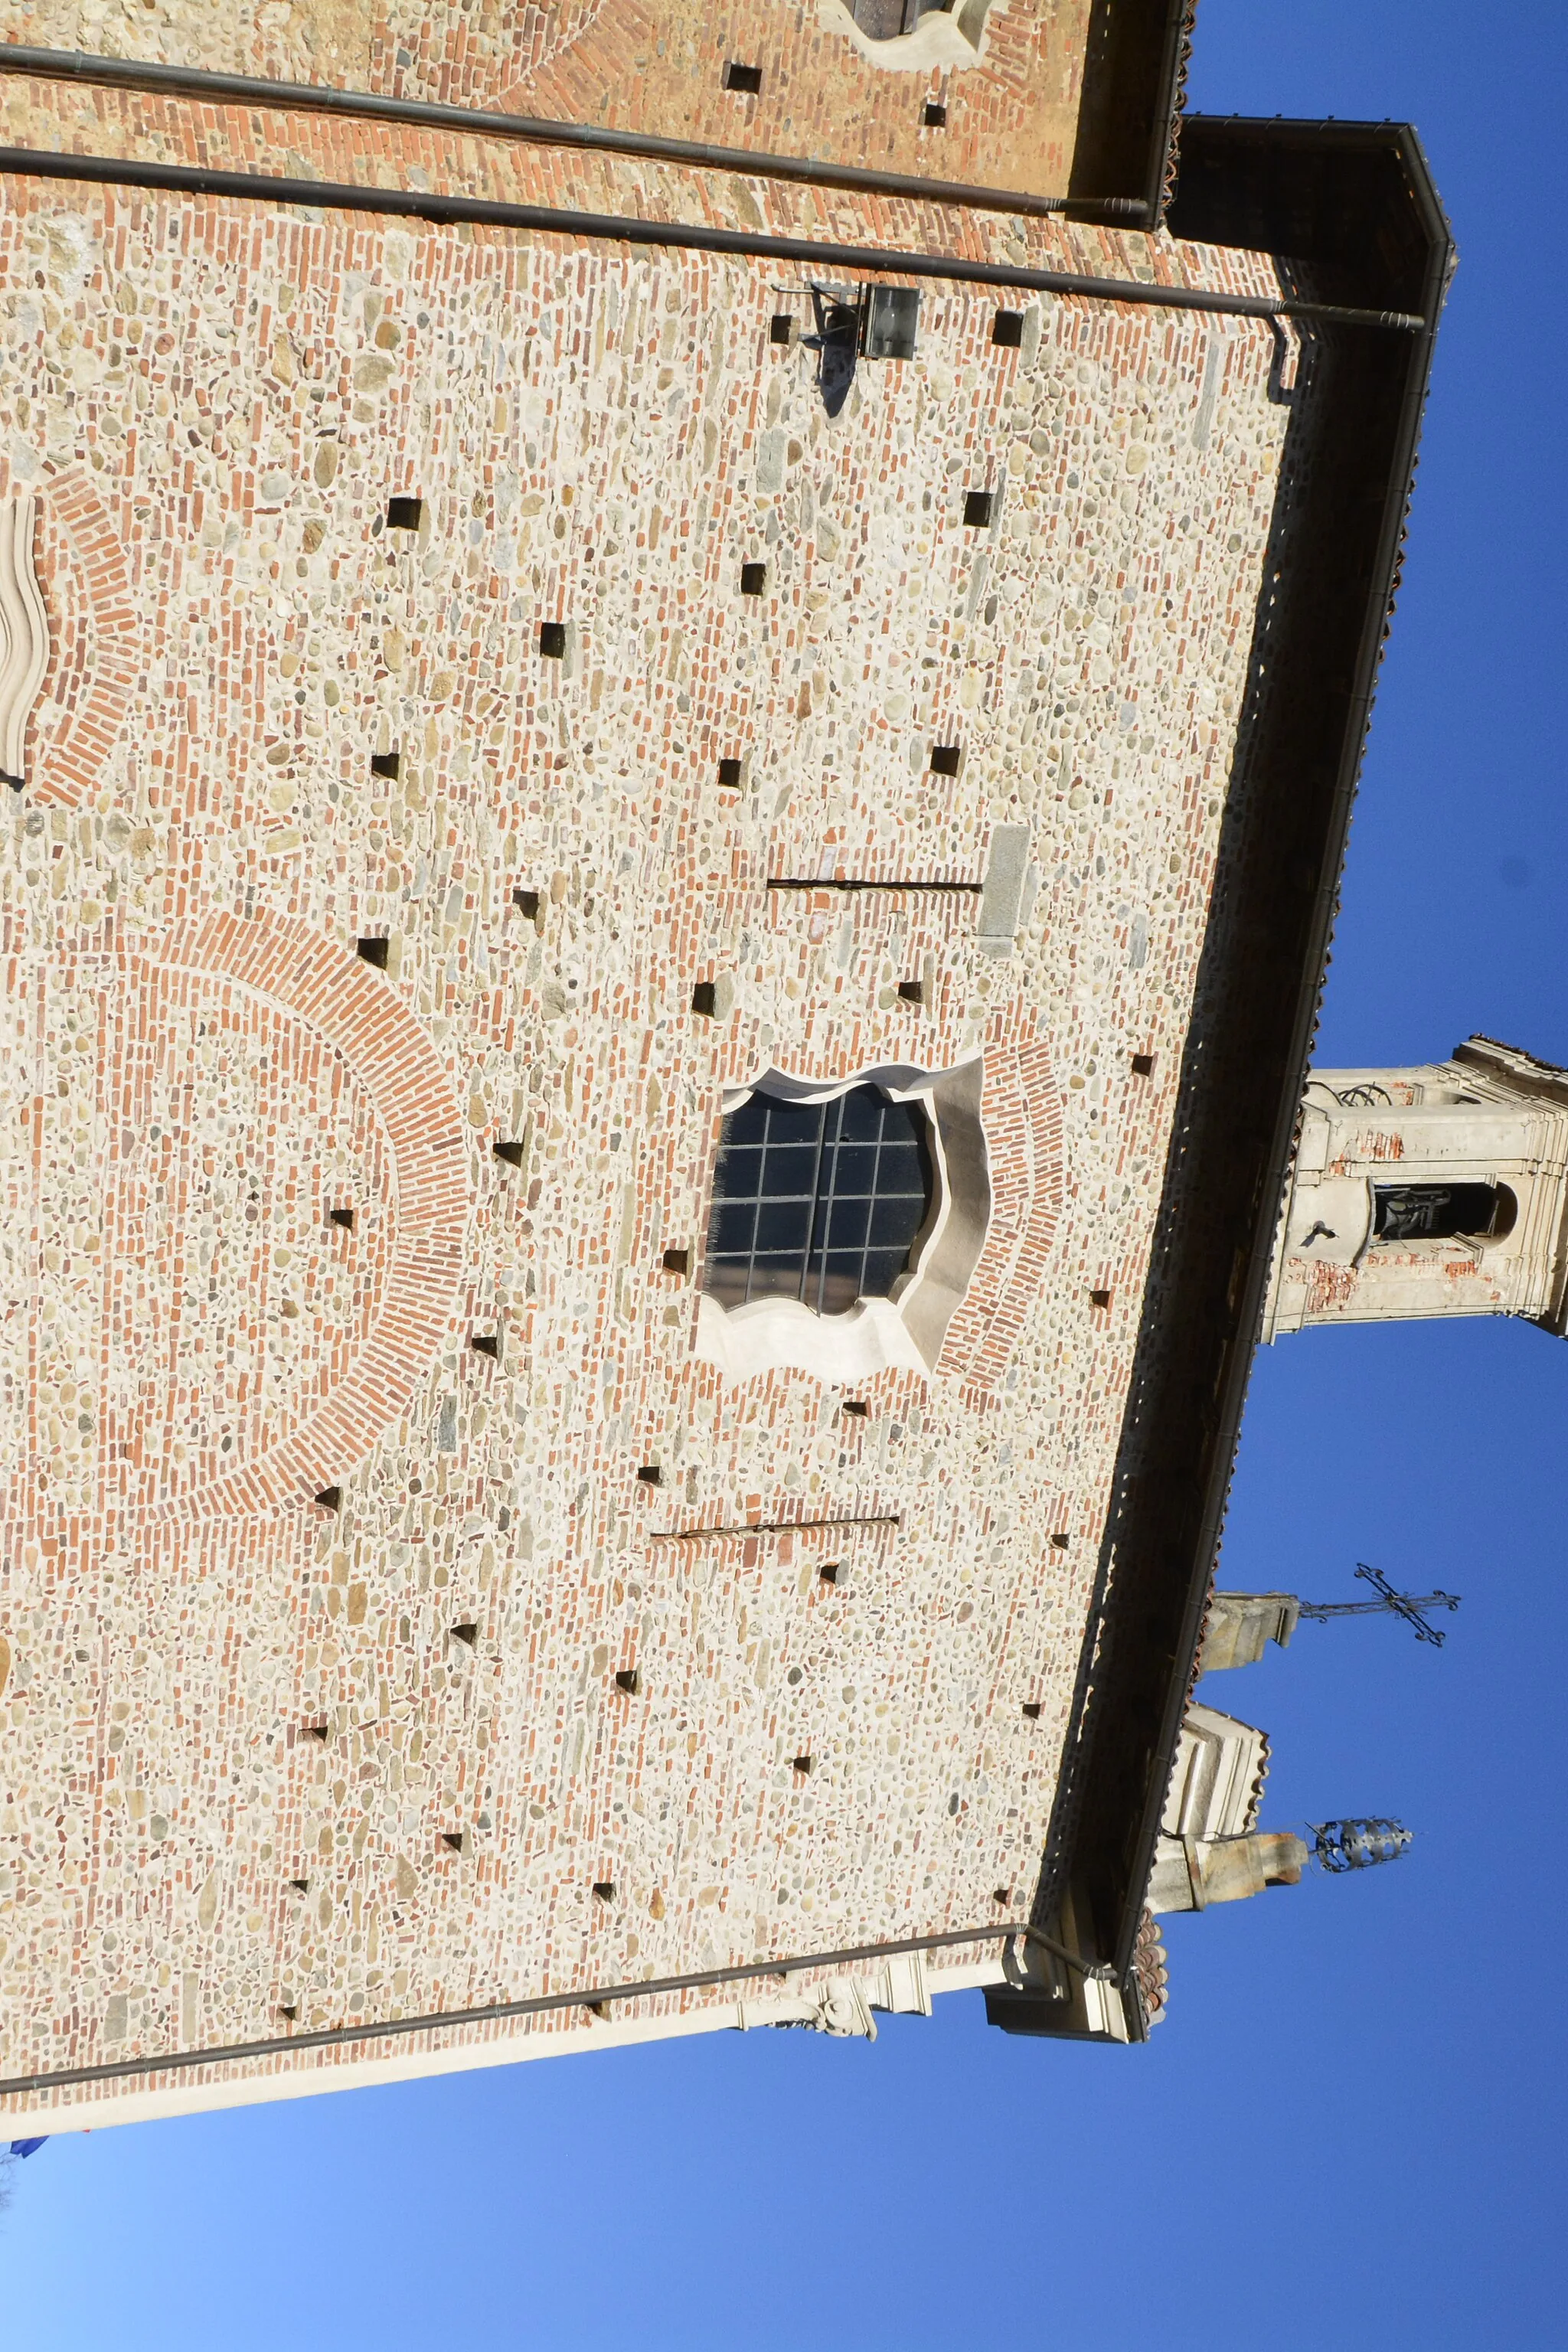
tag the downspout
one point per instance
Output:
(330, 196)
(425, 114)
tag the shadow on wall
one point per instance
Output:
(836, 343)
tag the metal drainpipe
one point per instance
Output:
(540, 2004)
(247, 90)
(180, 179)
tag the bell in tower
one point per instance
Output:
(1440, 1189)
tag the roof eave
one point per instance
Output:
(1101, 1842)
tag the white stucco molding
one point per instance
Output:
(23, 633)
(907, 1328)
(942, 38)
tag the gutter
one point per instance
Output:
(332, 196)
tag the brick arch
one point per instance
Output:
(95, 640)
(1021, 1113)
(536, 63)
(326, 989)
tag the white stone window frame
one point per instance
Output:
(945, 37)
(905, 1330)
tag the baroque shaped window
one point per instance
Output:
(820, 1201)
(846, 1219)
(919, 36)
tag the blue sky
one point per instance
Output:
(1346, 2133)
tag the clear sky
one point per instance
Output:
(1346, 2134)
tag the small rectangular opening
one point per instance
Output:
(856, 1408)
(386, 763)
(912, 992)
(1059, 1541)
(1032, 1709)
(729, 775)
(1143, 1065)
(933, 114)
(677, 1261)
(803, 1763)
(374, 951)
(747, 79)
(404, 514)
(300, 1885)
(780, 328)
(754, 578)
(977, 505)
(468, 1632)
(330, 1499)
(321, 1731)
(629, 1680)
(605, 1888)
(1100, 1298)
(946, 759)
(509, 1149)
(705, 999)
(552, 640)
(829, 1572)
(526, 903)
(344, 1218)
(453, 1839)
(650, 1475)
(486, 1343)
(1007, 330)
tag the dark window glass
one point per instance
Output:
(1409, 1212)
(821, 1201)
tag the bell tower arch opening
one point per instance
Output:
(1482, 1213)
(1437, 1189)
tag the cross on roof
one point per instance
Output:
(1390, 1603)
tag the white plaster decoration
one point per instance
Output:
(907, 1329)
(1216, 1785)
(1210, 1849)
(24, 635)
(841, 2007)
(1330, 1221)
(943, 40)
(1190, 1873)
(1242, 1624)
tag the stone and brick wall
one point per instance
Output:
(214, 402)
(1010, 92)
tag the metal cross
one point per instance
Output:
(1408, 1605)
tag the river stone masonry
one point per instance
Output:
(347, 1464)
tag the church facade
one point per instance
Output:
(676, 749)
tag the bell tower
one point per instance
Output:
(1440, 1189)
